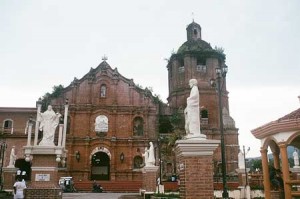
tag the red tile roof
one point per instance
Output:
(293, 115)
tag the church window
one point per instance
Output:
(181, 69)
(204, 117)
(8, 124)
(204, 113)
(138, 126)
(137, 162)
(195, 32)
(201, 67)
(180, 66)
(103, 90)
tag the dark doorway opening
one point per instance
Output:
(100, 166)
(24, 166)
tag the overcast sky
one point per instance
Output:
(47, 43)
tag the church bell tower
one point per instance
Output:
(196, 59)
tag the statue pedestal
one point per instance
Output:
(242, 176)
(245, 189)
(9, 176)
(195, 161)
(150, 174)
(44, 172)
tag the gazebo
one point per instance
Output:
(277, 136)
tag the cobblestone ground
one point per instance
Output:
(100, 195)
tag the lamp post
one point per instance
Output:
(219, 83)
(247, 187)
(245, 163)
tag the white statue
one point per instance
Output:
(12, 157)
(146, 155)
(149, 155)
(296, 158)
(241, 162)
(49, 121)
(192, 113)
(151, 158)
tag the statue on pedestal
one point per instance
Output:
(149, 155)
(12, 157)
(241, 162)
(48, 123)
(192, 113)
(146, 155)
(296, 158)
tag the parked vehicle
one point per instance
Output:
(97, 188)
(67, 184)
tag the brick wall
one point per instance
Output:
(196, 179)
(150, 176)
(43, 193)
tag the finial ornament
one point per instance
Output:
(104, 58)
(193, 15)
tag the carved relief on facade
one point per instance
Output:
(100, 149)
(101, 123)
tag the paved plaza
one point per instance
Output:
(99, 195)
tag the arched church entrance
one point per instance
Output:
(100, 166)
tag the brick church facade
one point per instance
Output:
(133, 117)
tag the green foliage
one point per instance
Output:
(46, 99)
(255, 164)
(165, 125)
(173, 137)
(157, 99)
(257, 187)
(219, 50)
(57, 90)
(139, 86)
(202, 54)
(176, 120)
(163, 195)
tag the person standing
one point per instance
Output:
(19, 187)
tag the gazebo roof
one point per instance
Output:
(287, 123)
(293, 115)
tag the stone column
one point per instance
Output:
(276, 160)
(60, 134)
(285, 170)
(149, 178)
(65, 124)
(195, 159)
(265, 167)
(29, 133)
